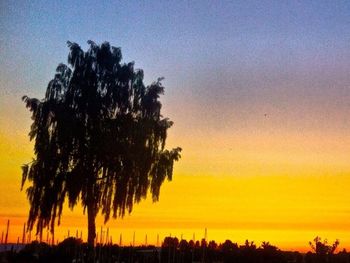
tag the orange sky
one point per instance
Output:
(294, 187)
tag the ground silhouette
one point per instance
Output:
(172, 250)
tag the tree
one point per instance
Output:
(99, 139)
(268, 247)
(228, 246)
(322, 248)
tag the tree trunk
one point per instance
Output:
(91, 211)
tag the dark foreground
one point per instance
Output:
(172, 251)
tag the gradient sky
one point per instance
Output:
(259, 92)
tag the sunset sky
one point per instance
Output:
(259, 92)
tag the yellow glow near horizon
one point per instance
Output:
(292, 189)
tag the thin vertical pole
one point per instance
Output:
(24, 234)
(7, 232)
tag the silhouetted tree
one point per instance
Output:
(212, 245)
(229, 251)
(322, 248)
(170, 242)
(183, 245)
(99, 139)
(68, 249)
(169, 248)
(228, 246)
(267, 246)
(184, 251)
(270, 253)
(248, 245)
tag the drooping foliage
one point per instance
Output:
(99, 138)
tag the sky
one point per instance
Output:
(259, 92)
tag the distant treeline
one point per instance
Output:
(173, 251)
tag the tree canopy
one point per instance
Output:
(99, 139)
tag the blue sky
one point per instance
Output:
(225, 63)
(227, 60)
(165, 35)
